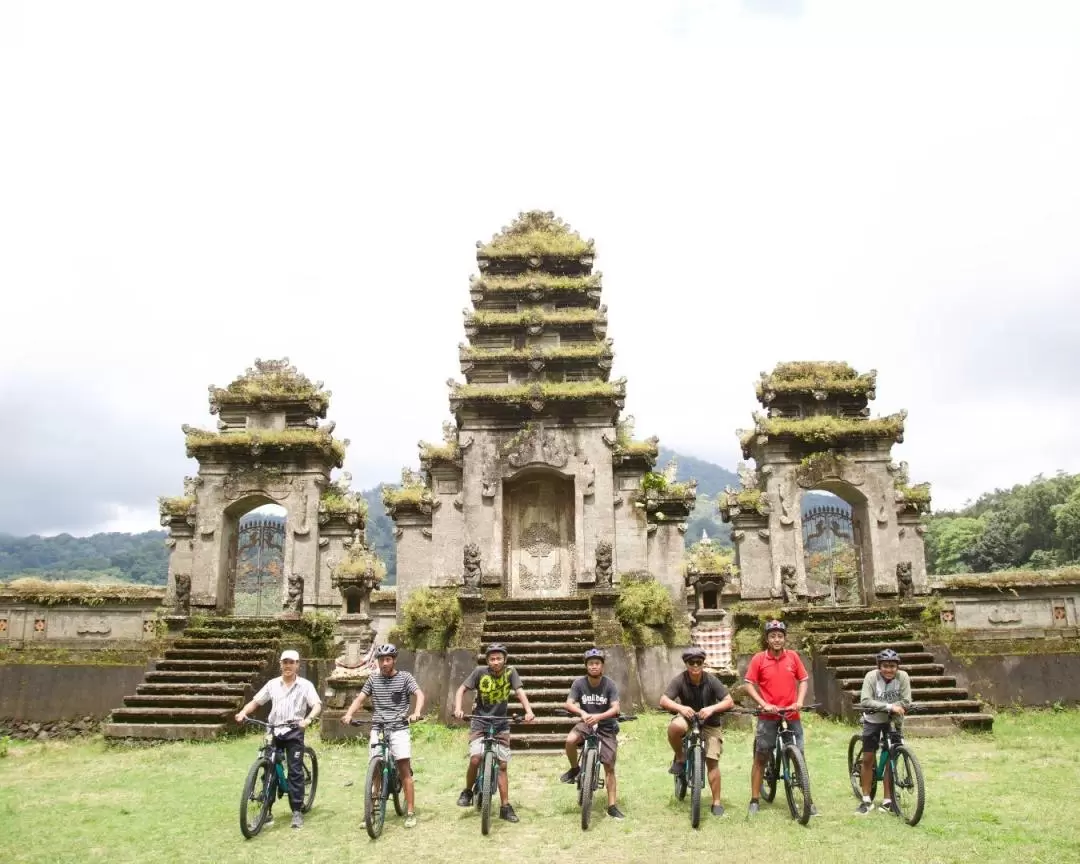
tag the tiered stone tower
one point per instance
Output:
(818, 434)
(537, 491)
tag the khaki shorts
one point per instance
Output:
(502, 747)
(711, 736)
(609, 743)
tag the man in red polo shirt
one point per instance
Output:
(776, 679)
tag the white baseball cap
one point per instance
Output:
(290, 654)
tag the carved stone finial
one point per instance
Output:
(473, 573)
(183, 593)
(294, 602)
(603, 569)
(904, 581)
(788, 583)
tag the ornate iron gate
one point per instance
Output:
(832, 555)
(260, 566)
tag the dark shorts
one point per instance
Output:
(609, 743)
(872, 735)
(767, 730)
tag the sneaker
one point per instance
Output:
(615, 813)
(269, 820)
(886, 807)
(507, 812)
(752, 809)
(813, 809)
(676, 768)
(410, 820)
(863, 808)
(570, 776)
(465, 798)
(297, 820)
(717, 809)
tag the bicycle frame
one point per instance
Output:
(275, 754)
(894, 737)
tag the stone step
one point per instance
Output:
(859, 670)
(576, 648)
(538, 742)
(935, 725)
(924, 693)
(249, 667)
(184, 676)
(917, 682)
(854, 623)
(226, 623)
(172, 715)
(869, 661)
(871, 647)
(194, 689)
(947, 706)
(531, 615)
(519, 661)
(555, 695)
(262, 655)
(166, 731)
(539, 604)
(217, 643)
(864, 636)
(175, 700)
(518, 637)
(272, 635)
(554, 682)
(825, 614)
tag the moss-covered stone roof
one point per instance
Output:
(337, 500)
(709, 558)
(598, 350)
(544, 283)
(548, 391)
(536, 233)
(409, 495)
(1009, 579)
(534, 317)
(742, 501)
(176, 506)
(361, 562)
(269, 382)
(47, 593)
(830, 378)
(916, 497)
(825, 429)
(200, 442)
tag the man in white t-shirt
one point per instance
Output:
(295, 701)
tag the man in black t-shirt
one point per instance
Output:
(595, 699)
(696, 692)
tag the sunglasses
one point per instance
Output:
(695, 662)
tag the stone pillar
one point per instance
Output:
(753, 556)
(666, 549)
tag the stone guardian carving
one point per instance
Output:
(473, 573)
(182, 603)
(294, 601)
(904, 582)
(603, 569)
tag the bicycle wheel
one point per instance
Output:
(854, 761)
(697, 780)
(770, 777)
(311, 779)
(374, 798)
(395, 791)
(487, 789)
(257, 798)
(680, 779)
(797, 785)
(908, 791)
(588, 782)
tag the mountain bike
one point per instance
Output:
(382, 780)
(486, 785)
(789, 764)
(588, 777)
(904, 771)
(693, 773)
(267, 781)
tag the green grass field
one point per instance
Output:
(1007, 796)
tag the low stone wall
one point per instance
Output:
(1023, 673)
(48, 693)
(99, 618)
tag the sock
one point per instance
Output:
(753, 800)
(866, 799)
(886, 802)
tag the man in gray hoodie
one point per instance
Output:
(886, 691)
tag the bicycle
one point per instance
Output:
(382, 780)
(588, 778)
(787, 763)
(693, 773)
(267, 781)
(904, 769)
(486, 785)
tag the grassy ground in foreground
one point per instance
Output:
(999, 797)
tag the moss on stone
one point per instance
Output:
(1010, 579)
(545, 282)
(536, 233)
(397, 496)
(553, 391)
(825, 429)
(810, 377)
(177, 506)
(201, 441)
(271, 381)
(597, 350)
(534, 316)
(30, 590)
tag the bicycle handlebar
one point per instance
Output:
(783, 712)
(622, 718)
(292, 724)
(384, 723)
(512, 718)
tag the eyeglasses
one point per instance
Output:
(695, 662)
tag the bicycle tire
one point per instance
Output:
(680, 779)
(487, 789)
(261, 782)
(797, 780)
(374, 803)
(311, 778)
(697, 780)
(918, 792)
(588, 786)
(854, 761)
(770, 777)
(399, 807)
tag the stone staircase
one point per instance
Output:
(546, 640)
(846, 642)
(202, 681)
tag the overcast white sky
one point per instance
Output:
(187, 186)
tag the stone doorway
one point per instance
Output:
(540, 539)
(255, 561)
(837, 559)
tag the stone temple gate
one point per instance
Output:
(269, 448)
(817, 434)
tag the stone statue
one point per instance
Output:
(748, 477)
(294, 602)
(183, 593)
(788, 583)
(905, 584)
(472, 574)
(603, 564)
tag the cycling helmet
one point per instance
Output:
(496, 648)
(387, 650)
(888, 656)
(775, 625)
(594, 654)
(693, 653)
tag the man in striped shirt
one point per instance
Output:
(293, 697)
(390, 691)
